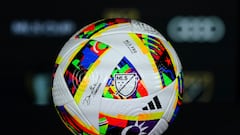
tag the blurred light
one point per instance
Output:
(36, 28)
(121, 13)
(41, 89)
(196, 29)
(198, 86)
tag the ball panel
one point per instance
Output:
(89, 93)
(154, 107)
(160, 127)
(161, 58)
(69, 49)
(177, 66)
(131, 107)
(82, 62)
(138, 56)
(100, 26)
(75, 120)
(124, 127)
(60, 90)
(178, 98)
(133, 46)
(143, 28)
(115, 25)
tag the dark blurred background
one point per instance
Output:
(204, 33)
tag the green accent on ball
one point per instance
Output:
(92, 42)
(103, 128)
(166, 79)
(124, 69)
(85, 133)
(76, 63)
(138, 95)
(108, 95)
(102, 46)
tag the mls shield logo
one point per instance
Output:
(125, 83)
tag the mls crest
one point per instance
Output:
(125, 83)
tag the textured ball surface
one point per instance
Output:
(117, 76)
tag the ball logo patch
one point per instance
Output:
(125, 83)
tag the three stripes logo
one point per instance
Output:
(152, 105)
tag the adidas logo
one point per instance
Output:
(152, 105)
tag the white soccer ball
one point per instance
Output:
(117, 76)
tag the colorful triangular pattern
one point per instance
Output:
(124, 67)
(161, 58)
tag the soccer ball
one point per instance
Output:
(117, 76)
